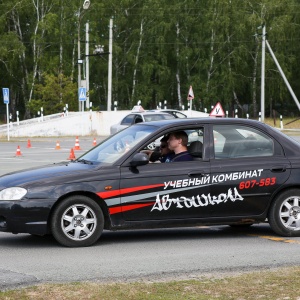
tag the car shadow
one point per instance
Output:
(27, 241)
(183, 234)
(142, 235)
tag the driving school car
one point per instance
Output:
(243, 172)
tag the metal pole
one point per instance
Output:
(7, 117)
(110, 65)
(79, 60)
(87, 64)
(282, 75)
(263, 58)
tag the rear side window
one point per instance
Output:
(179, 114)
(241, 141)
(128, 120)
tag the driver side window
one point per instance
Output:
(177, 146)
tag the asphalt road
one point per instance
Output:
(131, 255)
(187, 253)
(42, 151)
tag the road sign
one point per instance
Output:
(82, 94)
(217, 111)
(190, 94)
(5, 92)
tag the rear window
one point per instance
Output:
(158, 117)
(241, 141)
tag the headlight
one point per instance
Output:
(13, 193)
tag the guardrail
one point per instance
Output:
(31, 121)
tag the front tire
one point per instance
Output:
(284, 215)
(77, 222)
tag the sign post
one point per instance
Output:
(5, 92)
(190, 98)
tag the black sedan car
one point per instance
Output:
(243, 172)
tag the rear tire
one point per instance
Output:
(77, 222)
(284, 215)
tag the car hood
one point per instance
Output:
(56, 173)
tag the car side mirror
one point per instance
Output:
(139, 159)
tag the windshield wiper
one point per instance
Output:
(85, 161)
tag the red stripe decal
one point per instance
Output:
(119, 209)
(115, 210)
(120, 192)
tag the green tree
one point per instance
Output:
(54, 93)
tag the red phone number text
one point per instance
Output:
(252, 183)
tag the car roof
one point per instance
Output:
(148, 113)
(210, 120)
(177, 122)
(163, 110)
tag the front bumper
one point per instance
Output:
(25, 216)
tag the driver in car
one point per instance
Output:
(163, 155)
(177, 142)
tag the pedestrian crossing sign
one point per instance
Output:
(5, 92)
(82, 94)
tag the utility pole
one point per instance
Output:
(110, 65)
(264, 44)
(283, 76)
(263, 59)
(87, 65)
(86, 5)
(79, 60)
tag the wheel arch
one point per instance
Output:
(283, 216)
(99, 201)
(279, 192)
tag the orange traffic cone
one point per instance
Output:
(18, 153)
(28, 144)
(57, 147)
(77, 147)
(94, 142)
(72, 155)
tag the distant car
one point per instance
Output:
(139, 117)
(243, 172)
(176, 113)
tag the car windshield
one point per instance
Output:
(114, 147)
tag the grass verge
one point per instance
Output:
(288, 123)
(281, 283)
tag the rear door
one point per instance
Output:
(248, 166)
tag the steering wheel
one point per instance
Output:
(151, 146)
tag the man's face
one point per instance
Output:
(173, 142)
(164, 148)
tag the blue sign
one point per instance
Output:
(82, 94)
(5, 92)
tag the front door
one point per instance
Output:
(165, 191)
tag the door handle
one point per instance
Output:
(196, 174)
(278, 169)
